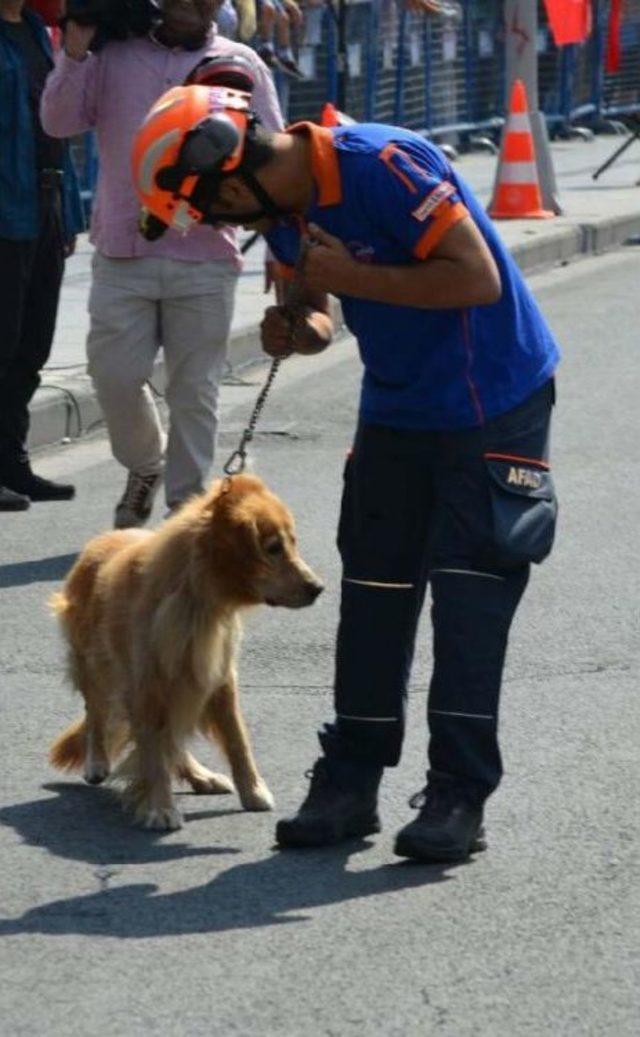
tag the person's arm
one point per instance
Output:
(69, 101)
(410, 198)
(458, 272)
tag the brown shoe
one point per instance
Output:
(136, 504)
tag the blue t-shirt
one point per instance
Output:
(391, 196)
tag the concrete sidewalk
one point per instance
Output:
(598, 216)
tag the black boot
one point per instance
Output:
(448, 827)
(10, 501)
(341, 803)
(19, 478)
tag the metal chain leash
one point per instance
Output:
(237, 462)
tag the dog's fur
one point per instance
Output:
(152, 624)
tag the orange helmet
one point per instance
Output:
(191, 134)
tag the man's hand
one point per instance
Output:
(78, 39)
(273, 279)
(70, 246)
(328, 266)
(285, 332)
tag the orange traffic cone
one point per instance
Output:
(516, 194)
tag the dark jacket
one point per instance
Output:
(18, 184)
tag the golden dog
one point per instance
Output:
(152, 623)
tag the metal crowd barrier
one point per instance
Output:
(440, 77)
(444, 77)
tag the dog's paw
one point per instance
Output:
(257, 798)
(209, 784)
(96, 771)
(162, 819)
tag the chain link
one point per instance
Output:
(237, 462)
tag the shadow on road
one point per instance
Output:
(37, 570)
(276, 890)
(85, 823)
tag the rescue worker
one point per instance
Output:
(448, 483)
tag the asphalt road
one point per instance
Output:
(207, 931)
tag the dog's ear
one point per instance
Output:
(250, 531)
(215, 492)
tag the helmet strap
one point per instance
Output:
(268, 207)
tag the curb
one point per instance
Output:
(570, 241)
(64, 409)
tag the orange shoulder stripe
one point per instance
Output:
(445, 217)
(386, 155)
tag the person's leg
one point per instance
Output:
(41, 303)
(283, 30)
(477, 579)
(16, 262)
(121, 349)
(266, 17)
(197, 309)
(478, 572)
(286, 17)
(382, 540)
(16, 258)
(227, 20)
(32, 326)
(247, 21)
(471, 615)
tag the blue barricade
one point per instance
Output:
(444, 77)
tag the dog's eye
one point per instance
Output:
(274, 547)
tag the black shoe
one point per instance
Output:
(22, 480)
(289, 67)
(10, 501)
(332, 812)
(268, 55)
(448, 827)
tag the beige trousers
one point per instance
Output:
(136, 306)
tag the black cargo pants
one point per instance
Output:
(466, 512)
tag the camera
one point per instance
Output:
(115, 19)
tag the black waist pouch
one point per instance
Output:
(524, 509)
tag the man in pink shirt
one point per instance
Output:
(176, 291)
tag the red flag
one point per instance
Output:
(49, 10)
(570, 20)
(612, 63)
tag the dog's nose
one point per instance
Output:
(313, 590)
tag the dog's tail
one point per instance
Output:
(61, 607)
(59, 603)
(70, 748)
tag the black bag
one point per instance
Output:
(115, 19)
(524, 509)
